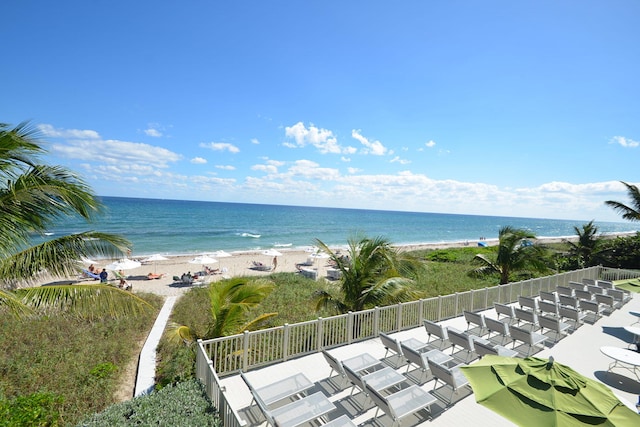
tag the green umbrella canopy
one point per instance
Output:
(538, 392)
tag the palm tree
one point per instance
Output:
(230, 303)
(33, 196)
(632, 213)
(374, 273)
(516, 252)
(586, 249)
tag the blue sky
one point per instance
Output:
(526, 108)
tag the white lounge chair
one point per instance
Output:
(336, 367)
(529, 338)
(466, 342)
(498, 350)
(548, 307)
(382, 379)
(505, 310)
(293, 414)
(416, 358)
(571, 313)
(439, 331)
(402, 403)
(476, 319)
(395, 346)
(500, 327)
(529, 317)
(528, 302)
(453, 378)
(553, 324)
(294, 385)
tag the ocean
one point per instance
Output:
(174, 227)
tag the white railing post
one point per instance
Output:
(421, 311)
(245, 350)
(350, 327)
(457, 304)
(285, 342)
(473, 293)
(319, 333)
(439, 309)
(376, 320)
(398, 317)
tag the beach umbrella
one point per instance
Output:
(123, 264)
(154, 259)
(202, 260)
(540, 392)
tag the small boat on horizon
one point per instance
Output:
(282, 245)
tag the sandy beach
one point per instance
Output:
(239, 264)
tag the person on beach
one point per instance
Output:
(275, 263)
(104, 276)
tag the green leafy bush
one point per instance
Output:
(185, 404)
(36, 409)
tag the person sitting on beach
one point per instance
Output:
(209, 270)
(92, 268)
(104, 276)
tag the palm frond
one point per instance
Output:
(84, 301)
(59, 257)
(10, 302)
(631, 212)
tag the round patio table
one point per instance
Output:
(622, 358)
(635, 331)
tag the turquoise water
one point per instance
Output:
(187, 227)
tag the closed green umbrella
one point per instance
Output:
(538, 392)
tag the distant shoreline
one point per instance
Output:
(241, 262)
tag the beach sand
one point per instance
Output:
(238, 265)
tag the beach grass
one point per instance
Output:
(71, 366)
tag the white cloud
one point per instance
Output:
(353, 170)
(153, 132)
(270, 169)
(371, 147)
(430, 144)
(322, 139)
(116, 152)
(397, 159)
(225, 167)
(255, 141)
(625, 142)
(220, 146)
(198, 161)
(51, 132)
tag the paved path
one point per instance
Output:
(145, 380)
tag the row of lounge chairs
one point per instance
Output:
(398, 395)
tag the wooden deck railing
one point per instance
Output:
(250, 350)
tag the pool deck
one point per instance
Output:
(579, 350)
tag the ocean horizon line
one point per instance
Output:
(100, 197)
(183, 228)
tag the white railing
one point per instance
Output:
(228, 355)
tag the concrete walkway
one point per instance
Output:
(145, 380)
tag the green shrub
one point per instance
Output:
(36, 409)
(185, 404)
(442, 255)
